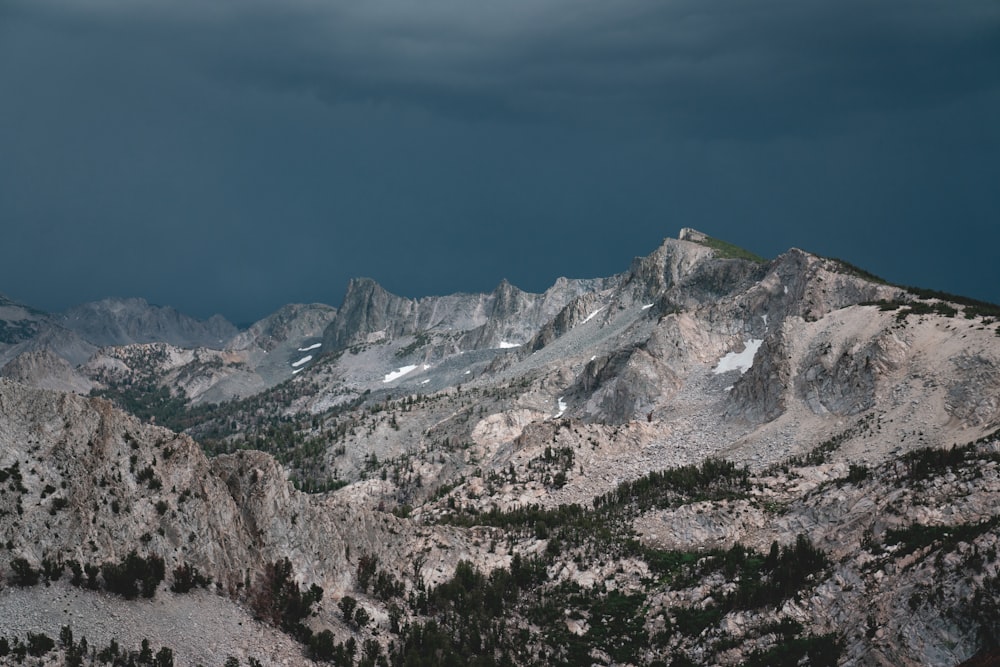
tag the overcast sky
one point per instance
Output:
(234, 155)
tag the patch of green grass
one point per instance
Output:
(726, 250)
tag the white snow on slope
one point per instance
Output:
(311, 347)
(562, 408)
(396, 374)
(739, 361)
(589, 317)
(296, 364)
(504, 345)
(297, 370)
(647, 306)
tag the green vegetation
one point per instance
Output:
(714, 479)
(149, 402)
(971, 307)
(419, 341)
(77, 653)
(186, 577)
(929, 462)
(857, 473)
(467, 616)
(133, 576)
(464, 612)
(22, 573)
(278, 600)
(822, 453)
(906, 308)
(813, 650)
(945, 538)
(726, 250)
(853, 270)
(984, 611)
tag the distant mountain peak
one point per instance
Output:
(122, 321)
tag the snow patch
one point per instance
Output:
(589, 317)
(764, 317)
(739, 361)
(297, 370)
(562, 408)
(301, 361)
(466, 372)
(425, 381)
(647, 306)
(593, 357)
(786, 288)
(314, 346)
(504, 345)
(398, 373)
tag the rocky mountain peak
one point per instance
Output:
(134, 320)
(651, 276)
(366, 314)
(692, 235)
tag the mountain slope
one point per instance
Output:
(90, 484)
(707, 459)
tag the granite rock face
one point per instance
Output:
(370, 314)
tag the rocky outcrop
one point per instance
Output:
(625, 385)
(840, 381)
(507, 315)
(44, 369)
(650, 276)
(973, 396)
(759, 395)
(294, 322)
(24, 329)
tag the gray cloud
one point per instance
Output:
(695, 63)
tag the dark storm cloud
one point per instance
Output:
(769, 66)
(235, 155)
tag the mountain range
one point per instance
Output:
(709, 458)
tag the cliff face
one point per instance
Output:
(507, 315)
